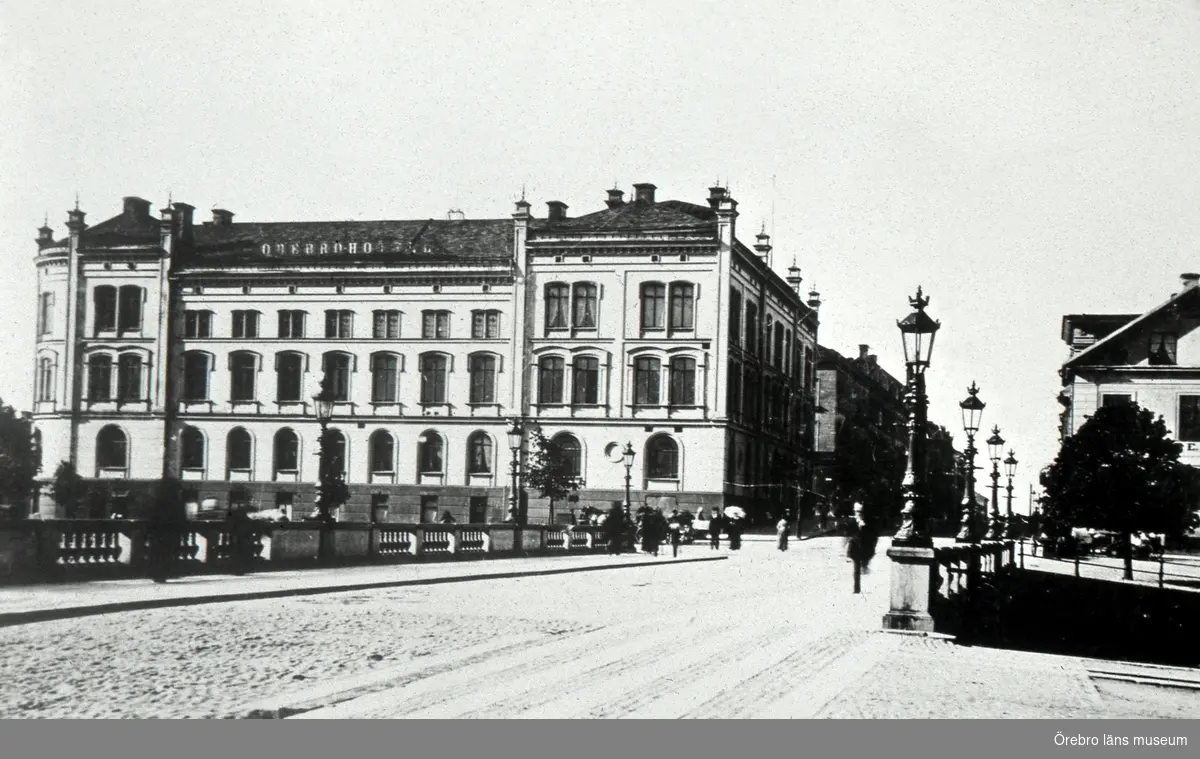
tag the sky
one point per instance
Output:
(1019, 161)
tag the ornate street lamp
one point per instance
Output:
(972, 410)
(1010, 469)
(995, 446)
(918, 331)
(326, 487)
(627, 455)
(516, 436)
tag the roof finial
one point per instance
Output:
(169, 196)
(46, 220)
(522, 191)
(77, 201)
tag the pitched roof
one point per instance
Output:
(666, 214)
(1112, 337)
(469, 240)
(130, 228)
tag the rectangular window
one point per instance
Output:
(129, 378)
(339, 324)
(245, 324)
(682, 295)
(654, 298)
(99, 378)
(646, 382)
(585, 306)
(483, 379)
(435, 325)
(104, 303)
(1162, 348)
(1116, 399)
(386, 325)
(550, 380)
(683, 382)
(808, 369)
(485, 324)
(383, 378)
(195, 376)
(586, 380)
(45, 314)
(337, 371)
(557, 297)
(433, 379)
(197, 324)
(733, 398)
(291, 324)
(129, 309)
(1189, 418)
(242, 370)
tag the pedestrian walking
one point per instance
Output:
(860, 546)
(782, 532)
(675, 528)
(614, 529)
(715, 525)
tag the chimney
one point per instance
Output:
(873, 360)
(456, 214)
(557, 210)
(45, 236)
(136, 208)
(862, 350)
(616, 198)
(222, 218)
(715, 195)
(183, 216)
(763, 246)
(644, 193)
(1189, 279)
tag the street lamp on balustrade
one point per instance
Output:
(1010, 469)
(972, 410)
(918, 331)
(327, 488)
(516, 436)
(995, 446)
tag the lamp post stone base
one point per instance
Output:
(911, 589)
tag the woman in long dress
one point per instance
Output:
(782, 532)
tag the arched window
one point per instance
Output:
(191, 444)
(112, 448)
(572, 452)
(104, 308)
(335, 449)
(585, 306)
(654, 303)
(777, 354)
(337, 368)
(243, 369)
(646, 372)
(483, 378)
(45, 379)
(129, 377)
(289, 376)
(239, 450)
(287, 451)
(682, 297)
(100, 377)
(385, 371)
(430, 447)
(662, 458)
(550, 379)
(383, 452)
(557, 305)
(585, 379)
(433, 378)
(479, 453)
(683, 381)
(195, 376)
(129, 309)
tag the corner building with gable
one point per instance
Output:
(171, 346)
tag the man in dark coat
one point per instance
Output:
(715, 525)
(860, 546)
(614, 528)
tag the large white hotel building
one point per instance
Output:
(167, 346)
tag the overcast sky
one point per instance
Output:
(1020, 160)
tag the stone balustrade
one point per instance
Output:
(952, 579)
(81, 549)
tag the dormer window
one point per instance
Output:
(1162, 348)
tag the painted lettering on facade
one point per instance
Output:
(339, 248)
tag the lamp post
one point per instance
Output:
(912, 585)
(972, 410)
(515, 437)
(323, 409)
(627, 456)
(995, 446)
(918, 331)
(1010, 469)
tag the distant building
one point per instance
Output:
(861, 423)
(170, 347)
(1152, 359)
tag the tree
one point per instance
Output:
(550, 471)
(20, 459)
(1119, 472)
(68, 489)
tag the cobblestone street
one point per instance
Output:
(761, 634)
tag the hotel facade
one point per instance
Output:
(168, 347)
